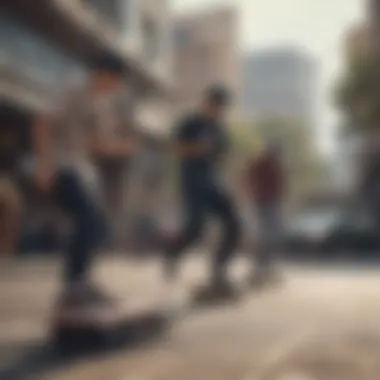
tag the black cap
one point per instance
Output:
(219, 94)
(110, 63)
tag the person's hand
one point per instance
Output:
(205, 146)
(43, 180)
(132, 147)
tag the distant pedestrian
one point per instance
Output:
(265, 184)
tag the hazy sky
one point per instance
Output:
(318, 25)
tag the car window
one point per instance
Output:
(315, 220)
(358, 219)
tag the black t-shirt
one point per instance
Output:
(195, 128)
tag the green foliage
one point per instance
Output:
(358, 93)
(245, 144)
(306, 169)
(305, 166)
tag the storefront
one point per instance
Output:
(32, 69)
(40, 58)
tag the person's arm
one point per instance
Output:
(124, 147)
(281, 179)
(277, 168)
(43, 137)
(248, 178)
(42, 131)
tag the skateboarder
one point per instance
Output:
(89, 123)
(200, 144)
(265, 185)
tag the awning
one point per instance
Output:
(82, 32)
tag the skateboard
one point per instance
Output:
(210, 299)
(93, 329)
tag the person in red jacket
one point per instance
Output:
(265, 185)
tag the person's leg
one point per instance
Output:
(269, 229)
(262, 213)
(115, 192)
(72, 196)
(195, 213)
(222, 205)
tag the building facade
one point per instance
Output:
(280, 82)
(358, 42)
(373, 7)
(351, 147)
(46, 45)
(206, 52)
(156, 55)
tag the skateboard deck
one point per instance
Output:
(201, 299)
(95, 329)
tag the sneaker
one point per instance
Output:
(85, 296)
(257, 280)
(171, 270)
(95, 295)
(261, 278)
(217, 291)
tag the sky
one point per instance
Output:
(319, 26)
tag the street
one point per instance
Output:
(320, 324)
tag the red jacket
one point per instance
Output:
(265, 178)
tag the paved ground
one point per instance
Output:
(322, 324)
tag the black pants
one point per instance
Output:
(269, 222)
(89, 228)
(200, 203)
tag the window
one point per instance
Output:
(33, 55)
(115, 11)
(151, 38)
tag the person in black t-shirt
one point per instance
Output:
(200, 144)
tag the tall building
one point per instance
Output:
(280, 82)
(206, 52)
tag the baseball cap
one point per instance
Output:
(219, 94)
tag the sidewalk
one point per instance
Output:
(320, 325)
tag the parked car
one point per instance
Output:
(332, 230)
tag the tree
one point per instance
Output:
(245, 143)
(358, 93)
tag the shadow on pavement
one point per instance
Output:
(33, 360)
